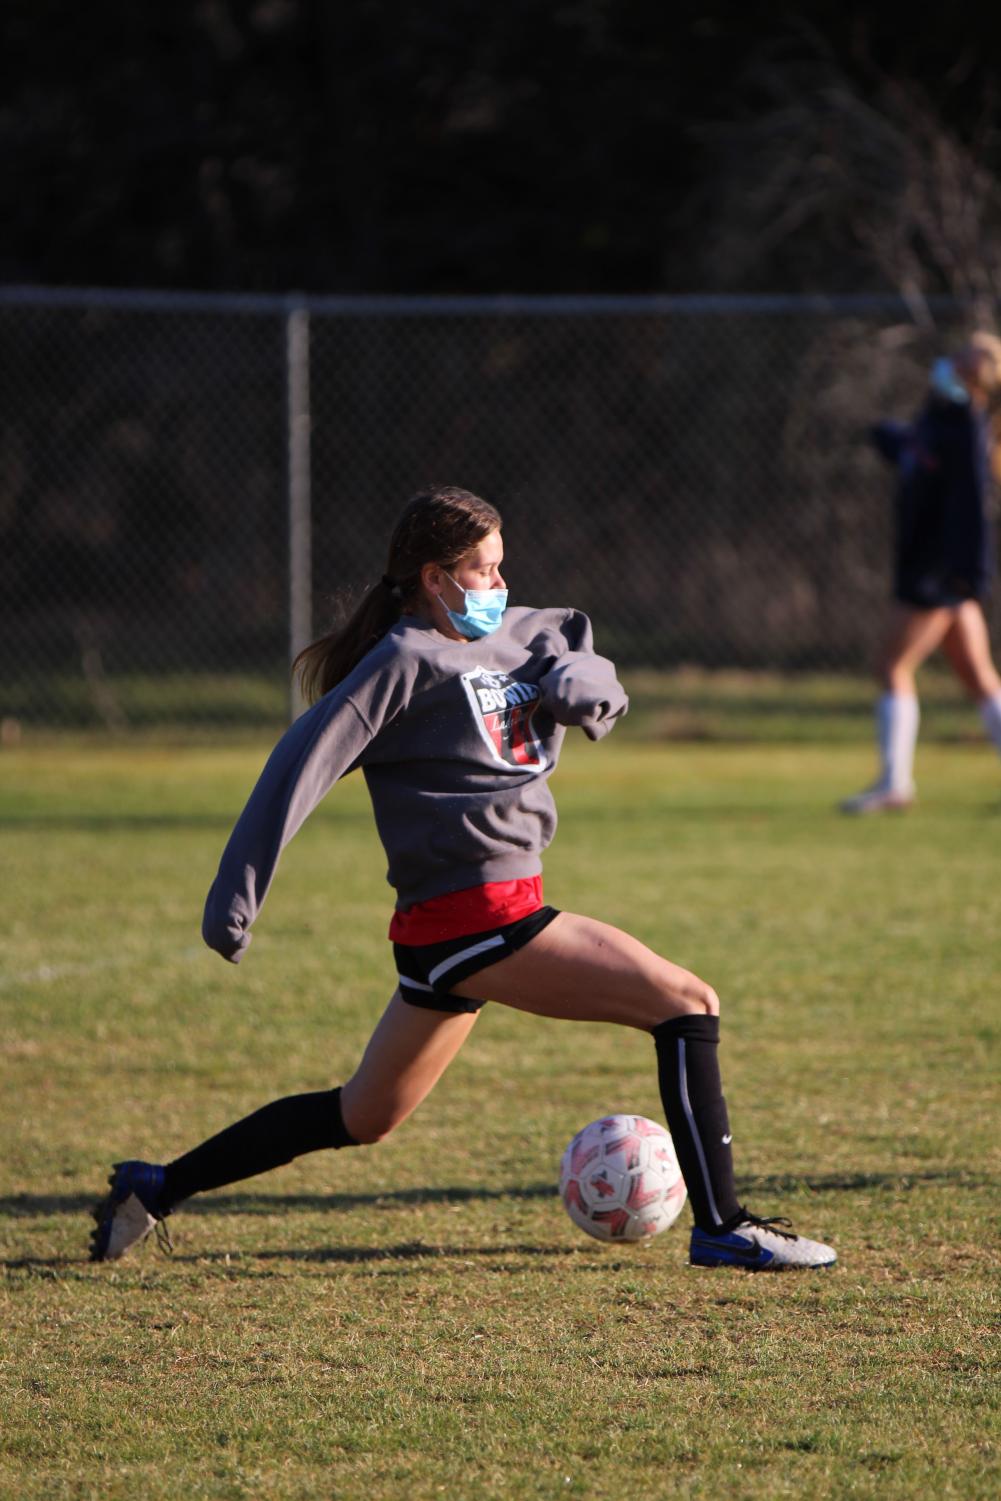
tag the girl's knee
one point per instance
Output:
(695, 998)
(367, 1122)
(899, 681)
(709, 1001)
(984, 686)
(367, 1134)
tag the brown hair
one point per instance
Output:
(438, 525)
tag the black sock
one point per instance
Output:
(690, 1087)
(269, 1138)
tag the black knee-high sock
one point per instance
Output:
(690, 1087)
(269, 1138)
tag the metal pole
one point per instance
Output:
(300, 567)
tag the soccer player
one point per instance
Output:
(455, 708)
(944, 561)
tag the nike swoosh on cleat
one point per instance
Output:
(759, 1256)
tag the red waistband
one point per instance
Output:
(474, 910)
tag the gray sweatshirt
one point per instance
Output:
(456, 739)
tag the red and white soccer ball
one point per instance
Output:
(620, 1179)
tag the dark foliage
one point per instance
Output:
(367, 145)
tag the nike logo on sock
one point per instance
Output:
(727, 1139)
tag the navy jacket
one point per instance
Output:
(944, 542)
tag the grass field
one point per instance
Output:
(421, 1319)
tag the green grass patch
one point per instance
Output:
(421, 1319)
(688, 704)
(693, 704)
(131, 703)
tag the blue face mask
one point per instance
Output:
(945, 382)
(482, 612)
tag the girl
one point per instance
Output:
(944, 561)
(455, 707)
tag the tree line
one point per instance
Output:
(589, 145)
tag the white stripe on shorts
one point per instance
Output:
(414, 984)
(474, 948)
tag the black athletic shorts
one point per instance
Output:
(925, 598)
(427, 971)
(925, 589)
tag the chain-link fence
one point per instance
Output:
(694, 473)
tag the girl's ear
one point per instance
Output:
(431, 578)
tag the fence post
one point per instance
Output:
(300, 567)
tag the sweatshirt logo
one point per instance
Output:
(503, 710)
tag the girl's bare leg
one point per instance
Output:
(580, 969)
(584, 970)
(968, 647)
(911, 639)
(407, 1054)
(913, 636)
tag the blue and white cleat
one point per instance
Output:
(758, 1245)
(880, 799)
(130, 1211)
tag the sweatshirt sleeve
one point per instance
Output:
(318, 749)
(581, 688)
(889, 439)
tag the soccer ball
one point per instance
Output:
(620, 1179)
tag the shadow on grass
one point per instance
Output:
(404, 1252)
(29, 1206)
(855, 1182)
(411, 1250)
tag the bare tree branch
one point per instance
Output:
(870, 180)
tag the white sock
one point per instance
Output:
(990, 713)
(897, 719)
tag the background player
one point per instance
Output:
(944, 560)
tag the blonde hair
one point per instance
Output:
(983, 346)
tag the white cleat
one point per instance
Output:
(129, 1211)
(131, 1222)
(880, 800)
(759, 1245)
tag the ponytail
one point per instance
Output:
(439, 525)
(322, 665)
